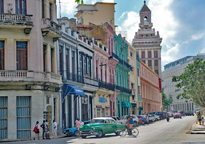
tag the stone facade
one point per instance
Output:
(150, 93)
(28, 76)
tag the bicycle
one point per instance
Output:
(135, 132)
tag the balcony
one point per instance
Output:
(113, 55)
(91, 82)
(14, 77)
(18, 21)
(51, 29)
(123, 89)
(106, 85)
(75, 78)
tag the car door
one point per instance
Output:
(107, 126)
(113, 126)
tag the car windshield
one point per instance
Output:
(97, 121)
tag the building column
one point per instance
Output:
(58, 58)
(60, 110)
(48, 58)
(88, 98)
(72, 110)
(140, 54)
(146, 54)
(66, 110)
(64, 62)
(70, 59)
(93, 107)
(80, 108)
(11, 118)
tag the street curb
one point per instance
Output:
(197, 132)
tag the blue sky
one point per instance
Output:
(181, 23)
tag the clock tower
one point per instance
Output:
(147, 42)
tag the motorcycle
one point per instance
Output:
(167, 119)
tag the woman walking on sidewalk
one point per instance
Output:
(36, 130)
(199, 118)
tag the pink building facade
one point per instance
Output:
(150, 92)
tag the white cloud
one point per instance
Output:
(197, 36)
(68, 7)
(130, 24)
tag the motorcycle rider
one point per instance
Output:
(129, 124)
(167, 116)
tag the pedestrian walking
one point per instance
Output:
(36, 130)
(43, 128)
(47, 130)
(147, 118)
(199, 118)
(78, 124)
(202, 120)
(55, 129)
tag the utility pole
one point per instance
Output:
(60, 7)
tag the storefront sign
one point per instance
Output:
(102, 100)
(114, 110)
(133, 105)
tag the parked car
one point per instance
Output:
(134, 117)
(152, 117)
(142, 119)
(73, 131)
(189, 113)
(156, 117)
(160, 114)
(115, 117)
(101, 126)
(177, 115)
(182, 113)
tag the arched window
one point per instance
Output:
(145, 19)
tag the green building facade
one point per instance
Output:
(121, 77)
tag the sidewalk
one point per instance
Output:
(197, 129)
(29, 139)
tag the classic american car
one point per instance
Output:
(177, 115)
(101, 126)
(73, 131)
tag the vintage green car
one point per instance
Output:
(101, 126)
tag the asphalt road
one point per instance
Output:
(160, 132)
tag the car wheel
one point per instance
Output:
(117, 133)
(75, 133)
(100, 134)
(67, 134)
(83, 136)
(135, 123)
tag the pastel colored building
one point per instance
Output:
(147, 41)
(150, 93)
(131, 56)
(121, 77)
(28, 68)
(97, 13)
(104, 68)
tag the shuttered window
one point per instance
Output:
(52, 60)
(61, 59)
(23, 113)
(21, 55)
(20, 6)
(3, 117)
(1, 6)
(1, 55)
(67, 62)
(44, 58)
(143, 54)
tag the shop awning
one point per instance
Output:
(126, 104)
(68, 89)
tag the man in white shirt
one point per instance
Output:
(55, 129)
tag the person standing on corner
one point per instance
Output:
(43, 127)
(55, 129)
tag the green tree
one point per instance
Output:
(78, 1)
(192, 82)
(166, 101)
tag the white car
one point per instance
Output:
(152, 117)
(157, 117)
(124, 120)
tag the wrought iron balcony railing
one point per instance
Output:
(106, 85)
(120, 60)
